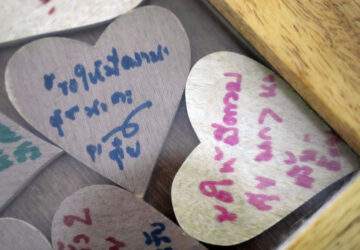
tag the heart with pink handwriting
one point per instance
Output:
(263, 152)
(19, 235)
(21, 19)
(106, 217)
(109, 105)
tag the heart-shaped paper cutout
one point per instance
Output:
(22, 156)
(106, 217)
(19, 235)
(111, 105)
(263, 152)
(20, 19)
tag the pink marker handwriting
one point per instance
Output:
(334, 152)
(230, 112)
(219, 154)
(306, 138)
(225, 215)
(270, 90)
(208, 188)
(301, 175)
(334, 138)
(262, 133)
(264, 182)
(291, 159)
(220, 130)
(268, 111)
(330, 165)
(269, 78)
(227, 166)
(266, 154)
(258, 200)
(308, 155)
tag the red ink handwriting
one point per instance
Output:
(52, 10)
(79, 237)
(61, 246)
(117, 244)
(70, 219)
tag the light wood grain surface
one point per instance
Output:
(314, 45)
(334, 226)
(207, 33)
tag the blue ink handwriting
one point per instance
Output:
(154, 236)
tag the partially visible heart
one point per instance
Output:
(20, 19)
(22, 156)
(111, 105)
(19, 235)
(106, 217)
(276, 152)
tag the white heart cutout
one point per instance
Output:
(19, 235)
(106, 217)
(21, 19)
(109, 105)
(262, 151)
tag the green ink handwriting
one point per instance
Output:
(4, 161)
(8, 136)
(23, 149)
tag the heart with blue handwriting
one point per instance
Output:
(110, 105)
(263, 152)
